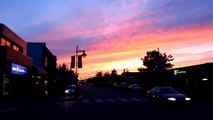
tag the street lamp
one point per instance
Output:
(76, 60)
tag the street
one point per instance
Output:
(99, 103)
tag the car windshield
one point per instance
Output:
(168, 90)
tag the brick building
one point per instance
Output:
(14, 65)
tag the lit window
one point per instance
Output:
(8, 43)
(15, 48)
(3, 42)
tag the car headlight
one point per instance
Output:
(66, 91)
(187, 99)
(171, 99)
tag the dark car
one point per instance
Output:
(167, 94)
(123, 85)
(134, 88)
(70, 90)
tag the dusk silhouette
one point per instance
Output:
(115, 34)
(106, 59)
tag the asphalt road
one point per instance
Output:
(97, 103)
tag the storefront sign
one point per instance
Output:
(18, 69)
(179, 72)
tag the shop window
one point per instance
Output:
(6, 87)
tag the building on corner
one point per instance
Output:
(14, 65)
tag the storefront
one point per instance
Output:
(194, 80)
(15, 78)
(40, 81)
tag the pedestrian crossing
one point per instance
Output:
(102, 100)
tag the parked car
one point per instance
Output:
(134, 88)
(70, 90)
(166, 94)
(123, 85)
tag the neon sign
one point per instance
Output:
(18, 69)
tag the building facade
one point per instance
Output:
(196, 80)
(14, 64)
(44, 67)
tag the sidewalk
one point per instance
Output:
(7, 102)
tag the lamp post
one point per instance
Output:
(76, 58)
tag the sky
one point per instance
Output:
(115, 34)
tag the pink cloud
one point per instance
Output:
(130, 33)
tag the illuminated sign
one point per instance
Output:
(18, 69)
(179, 72)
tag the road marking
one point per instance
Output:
(123, 99)
(8, 110)
(70, 102)
(111, 100)
(85, 101)
(98, 100)
(135, 99)
(144, 99)
(58, 103)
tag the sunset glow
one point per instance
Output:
(116, 33)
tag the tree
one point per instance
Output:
(156, 65)
(62, 71)
(114, 72)
(99, 74)
(156, 61)
(142, 69)
(64, 77)
(106, 74)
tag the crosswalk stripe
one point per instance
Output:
(111, 100)
(135, 99)
(123, 100)
(70, 102)
(98, 100)
(58, 103)
(85, 101)
(144, 99)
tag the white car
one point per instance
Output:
(134, 87)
